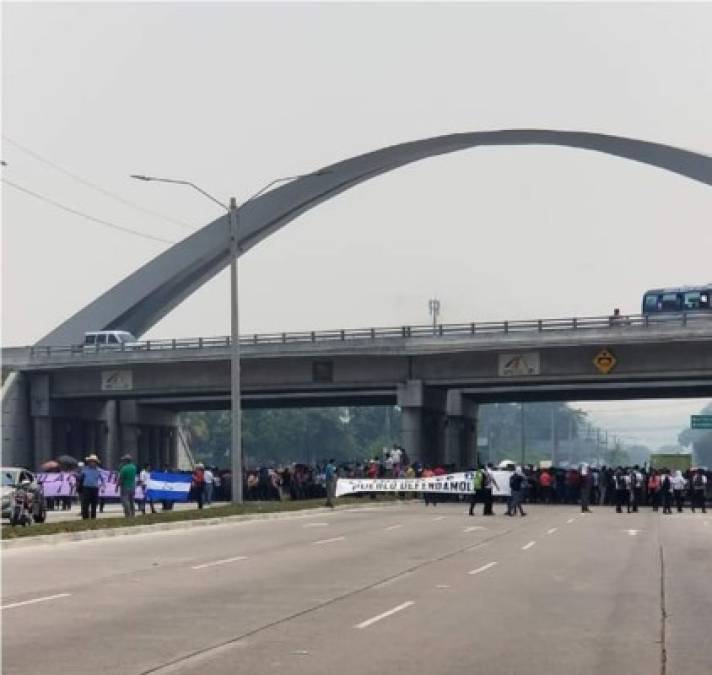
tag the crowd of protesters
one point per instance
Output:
(625, 488)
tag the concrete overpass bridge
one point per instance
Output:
(437, 375)
(123, 398)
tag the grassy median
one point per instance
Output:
(247, 508)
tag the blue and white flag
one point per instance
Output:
(172, 487)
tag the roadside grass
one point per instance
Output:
(247, 508)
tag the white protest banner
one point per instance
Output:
(453, 483)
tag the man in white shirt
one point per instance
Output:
(143, 484)
(209, 483)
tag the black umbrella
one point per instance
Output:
(67, 460)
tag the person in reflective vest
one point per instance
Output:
(477, 485)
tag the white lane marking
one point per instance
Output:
(552, 530)
(35, 600)
(316, 525)
(474, 528)
(390, 612)
(569, 521)
(632, 533)
(393, 527)
(528, 546)
(329, 541)
(483, 568)
(392, 580)
(225, 561)
(442, 586)
(438, 518)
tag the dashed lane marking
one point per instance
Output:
(36, 600)
(393, 527)
(329, 541)
(552, 530)
(225, 561)
(438, 518)
(569, 521)
(483, 568)
(528, 546)
(390, 612)
(474, 528)
(316, 525)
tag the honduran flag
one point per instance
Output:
(173, 487)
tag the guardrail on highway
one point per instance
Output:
(422, 331)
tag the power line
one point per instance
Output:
(94, 219)
(96, 187)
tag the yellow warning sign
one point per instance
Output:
(605, 362)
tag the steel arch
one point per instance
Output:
(144, 297)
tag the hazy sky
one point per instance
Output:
(233, 95)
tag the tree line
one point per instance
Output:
(310, 435)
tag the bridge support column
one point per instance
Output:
(173, 448)
(43, 438)
(17, 430)
(113, 442)
(422, 422)
(461, 431)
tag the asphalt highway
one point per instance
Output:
(404, 589)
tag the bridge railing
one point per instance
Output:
(453, 330)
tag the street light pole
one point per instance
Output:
(235, 404)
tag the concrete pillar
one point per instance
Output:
(422, 421)
(143, 452)
(17, 432)
(165, 436)
(114, 442)
(461, 431)
(173, 450)
(154, 447)
(43, 437)
(455, 441)
(469, 458)
(129, 437)
(102, 440)
(412, 432)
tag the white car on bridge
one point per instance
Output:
(101, 340)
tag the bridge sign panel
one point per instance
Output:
(604, 361)
(700, 421)
(513, 365)
(116, 380)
